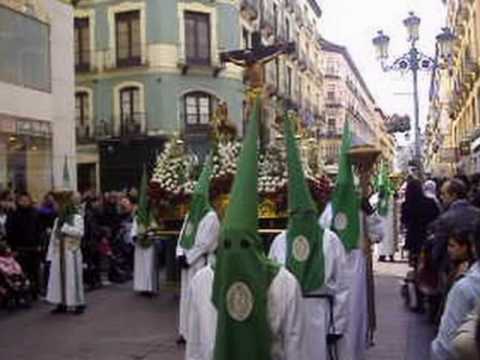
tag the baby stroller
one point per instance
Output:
(15, 288)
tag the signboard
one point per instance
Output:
(19, 126)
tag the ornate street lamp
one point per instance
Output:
(414, 60)
(445, 43)
(412, 23)
(381, 43)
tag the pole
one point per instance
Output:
(414, 68)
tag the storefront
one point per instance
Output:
(25, 155)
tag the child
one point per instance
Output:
(14, 286)
(105, 255)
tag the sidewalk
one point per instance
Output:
(401, 334)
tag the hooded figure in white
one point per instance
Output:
(145, 270)
(356, 336)
(387, 246)
(198, 239)
(65, 281)
(318, 311)
(285, 316)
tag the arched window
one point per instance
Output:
(82, 115)
(131, 115)
(198, 108)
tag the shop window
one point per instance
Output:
(82, 44)
(128, 38)
(197, 38)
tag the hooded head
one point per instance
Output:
(199, 206)
(243, 273)
(304, 235)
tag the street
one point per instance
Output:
(120, 325)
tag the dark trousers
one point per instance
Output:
(29, 260)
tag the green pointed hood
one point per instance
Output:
(345, 201)
(67, 185)
(304, 235)
(242, 272)
(199, 206)
(143, 210)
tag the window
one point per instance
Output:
(277, 74)
(331, 93)
(245, 38)
(197, 38)
(289, 81)
(332, 125)
(331, 67)
(131, 117)
(275, 20)
(25, 50)
(129, 103)
(82, 109)
(82, 44)
(128, 38)
(198, 109)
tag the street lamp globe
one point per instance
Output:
(412, 23)
(381, 42)
(445, 43)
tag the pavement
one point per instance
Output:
(121, 325)
(401, 334)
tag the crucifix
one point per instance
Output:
(253, 60)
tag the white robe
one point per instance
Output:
(318, 311)
(284, 313)
(74, 293)
(145, 272)
(205, 243)
(387, 246)
(356, 267)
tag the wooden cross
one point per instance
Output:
(253, 60)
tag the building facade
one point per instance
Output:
(146, 70)
(37, 131)
(347, 98)
(297, 77)
(453, 138)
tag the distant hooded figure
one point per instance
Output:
(430, 191)
(418, 211)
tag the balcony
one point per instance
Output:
(333, 102)
(249, 9)
(85, 134)
(82, 61)
(129, 126)
(113, 59)
(330, 133)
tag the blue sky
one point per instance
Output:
(354, 23)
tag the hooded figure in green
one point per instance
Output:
(316, 257)
(197, 241)
(246, 307)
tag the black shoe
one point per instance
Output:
(60, 309)
(382, 258)
(181, 340)
(392, 259)
(79, 310)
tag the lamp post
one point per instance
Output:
(414, 60)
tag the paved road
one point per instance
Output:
(120, 325)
